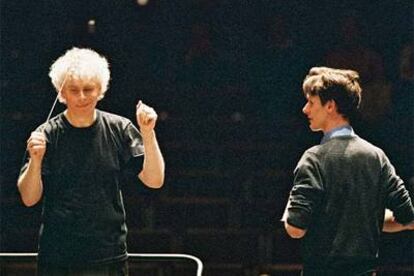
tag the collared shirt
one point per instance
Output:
(345, 130)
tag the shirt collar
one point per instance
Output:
(345, 130)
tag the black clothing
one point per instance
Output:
(83, 218)
(341, 189)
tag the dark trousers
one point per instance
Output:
(113, 269)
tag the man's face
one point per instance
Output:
(81, 95)
(316, 112)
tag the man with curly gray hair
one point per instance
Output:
(80, 64)
(343, 186)
(77, 164)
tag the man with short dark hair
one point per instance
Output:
(342, 186)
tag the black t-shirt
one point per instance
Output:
(83, 218)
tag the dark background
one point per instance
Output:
(225, 78)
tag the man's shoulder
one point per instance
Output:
(112, 119)
(349, 142)
(343, 146)
(366, 146)
(112, 116)
(52, 124)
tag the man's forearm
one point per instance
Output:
(152, 173)
(30, 184)
(392, 226)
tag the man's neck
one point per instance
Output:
(336, 123)
(80, 120)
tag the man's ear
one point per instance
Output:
(331, 106)
(62, 97)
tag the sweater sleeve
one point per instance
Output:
(397, 196)
(307, 192)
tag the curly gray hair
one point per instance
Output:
(80, 63)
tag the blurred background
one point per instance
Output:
(225, 78)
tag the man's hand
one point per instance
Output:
(146, 117)
(36, 146)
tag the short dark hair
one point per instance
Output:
(339, 85)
